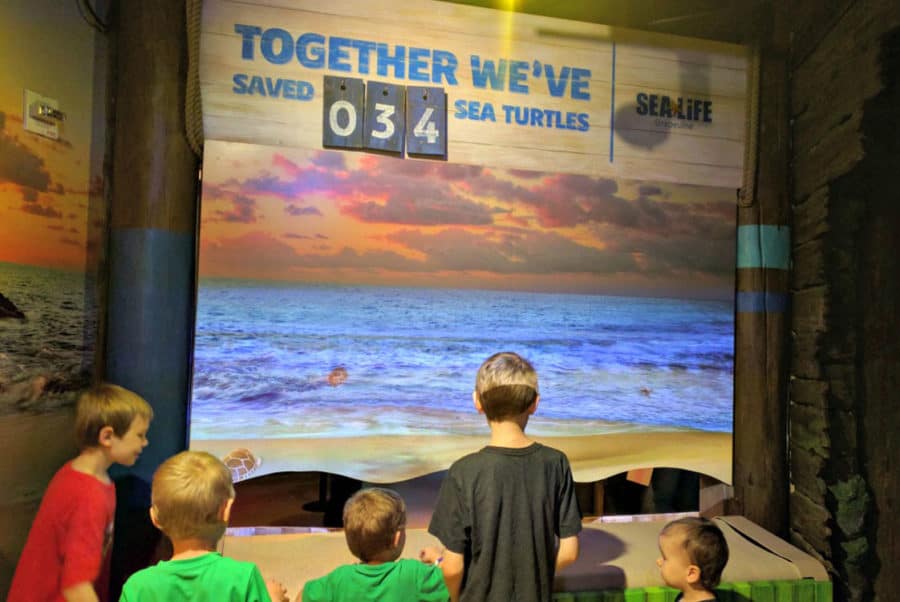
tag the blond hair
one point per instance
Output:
(105, 405)
(371, 518)
(189, 492)
(506, 385)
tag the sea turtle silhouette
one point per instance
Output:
(337, 376)
(242, 463)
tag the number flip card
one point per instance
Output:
(342, 116)
(426, 121)
(385, 117)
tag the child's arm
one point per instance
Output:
(277, 591)
(80, 592)
(431, 554)
(567, 552)
(453, 566)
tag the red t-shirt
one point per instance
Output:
(70, 539)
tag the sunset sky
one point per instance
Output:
(357, 218)
(44, 183)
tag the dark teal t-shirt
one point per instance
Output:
(405, 580)
(207, 578)
(503, 509)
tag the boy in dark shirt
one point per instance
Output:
(693, 553)
(506, 515)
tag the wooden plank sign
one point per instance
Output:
(342, 121)
(522, 91)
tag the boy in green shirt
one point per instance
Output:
(375, 528)
(192, 496)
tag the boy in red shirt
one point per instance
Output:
(66, 556)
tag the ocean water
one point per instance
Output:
(52, 344)
(263, 353)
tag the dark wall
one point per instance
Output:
(845, 70)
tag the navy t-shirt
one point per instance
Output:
(503, 508)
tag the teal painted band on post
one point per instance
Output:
(759, 302)
(764, 247)
(149, 333)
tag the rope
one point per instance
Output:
(193, 105)
(746, 196)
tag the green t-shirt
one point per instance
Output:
(207, 578)
(405, 580)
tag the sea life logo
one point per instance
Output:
(674, 112)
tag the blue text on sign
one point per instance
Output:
(272, 87)
(426, 65)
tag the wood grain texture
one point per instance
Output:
(761, 339)
(640, 147)
(154, 177)
(844, 98)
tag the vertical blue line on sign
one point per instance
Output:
(612, 105)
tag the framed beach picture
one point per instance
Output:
(346, 300)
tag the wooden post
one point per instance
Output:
(153, 220)
(151, 249)
(760, 409)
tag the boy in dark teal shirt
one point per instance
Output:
(375, 528)
(506, 514)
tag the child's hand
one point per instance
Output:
(430, 554)
(276, 590)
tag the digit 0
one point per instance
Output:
(336, 108)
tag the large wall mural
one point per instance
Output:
(51, 223)
(346, 301)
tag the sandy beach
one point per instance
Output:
(394, 458)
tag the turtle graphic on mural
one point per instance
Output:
(242, 463)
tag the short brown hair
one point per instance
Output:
(506, 385)
(705, 545)
(105, 405)
(371, 518)
(189, 490)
